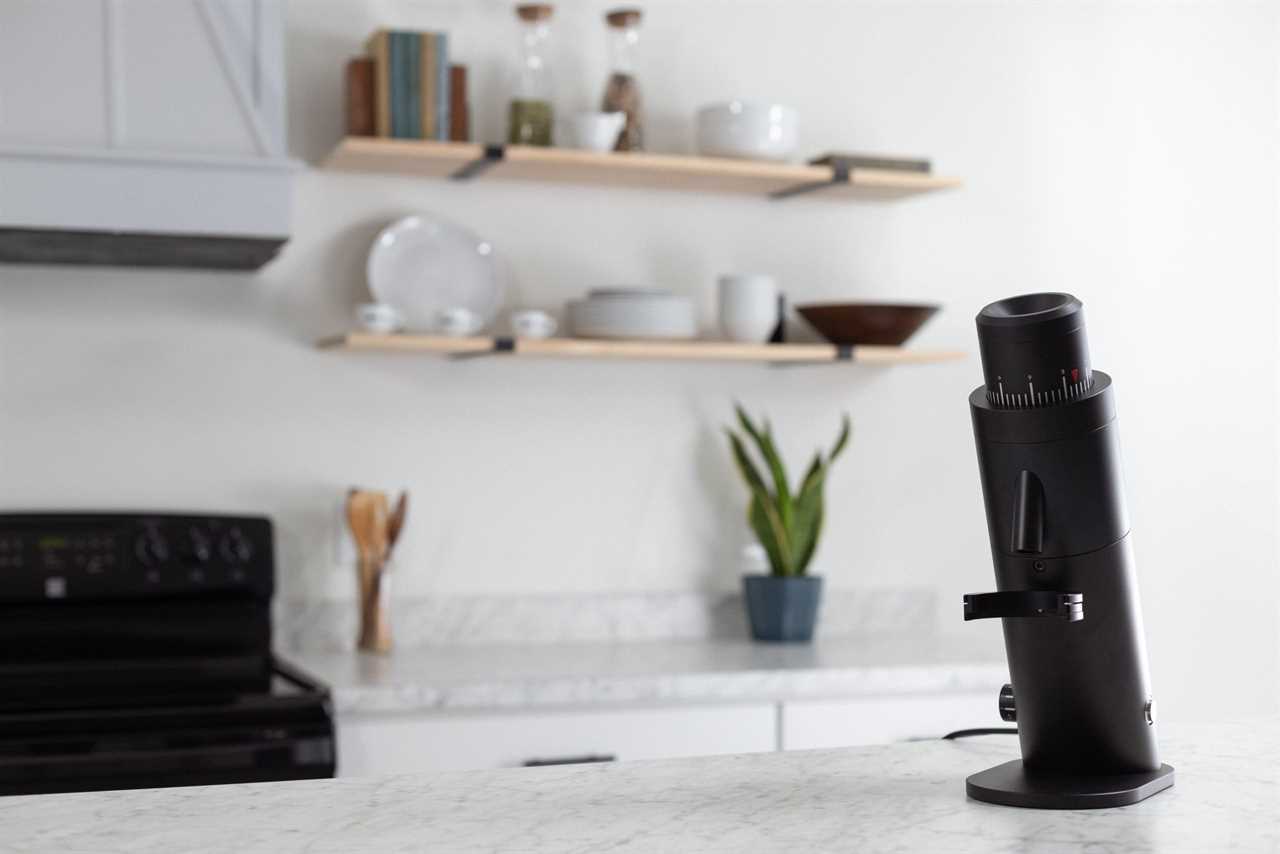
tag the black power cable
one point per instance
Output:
(966, 733)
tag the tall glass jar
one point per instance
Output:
(622, 91)
(530, 118)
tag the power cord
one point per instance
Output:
(966, 733)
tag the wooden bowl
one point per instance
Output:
(879, 324)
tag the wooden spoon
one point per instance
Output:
(367, 518)
(396, 523)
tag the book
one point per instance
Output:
(362, 97)
(378, 46)
(413, 85)
(396, 63)
(427, 86)
(442, 86)
(459, 124)
(873, 161)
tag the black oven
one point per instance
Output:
(135, 651)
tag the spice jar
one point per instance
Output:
(530, 118)
(622, 92)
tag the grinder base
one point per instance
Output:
(1010, 784)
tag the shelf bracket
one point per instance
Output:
(844, 353)
(501, 344)
(839, 175)
(492, 154)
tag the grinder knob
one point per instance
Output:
(1034, 351)
(1008, 711)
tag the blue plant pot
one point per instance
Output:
(782, 608)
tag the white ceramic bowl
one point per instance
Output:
(379, 317)
(592, 131)
(751, 131)
(617, 314)
(532, 323)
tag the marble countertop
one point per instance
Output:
(498, 677)
(903, 797)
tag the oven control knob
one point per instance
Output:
(199, 546)
(1008, 711)
(151, 548)
(235, 547)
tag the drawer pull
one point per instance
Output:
(570, 760)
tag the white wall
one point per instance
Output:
(1125, 153)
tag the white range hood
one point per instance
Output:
(143, 133)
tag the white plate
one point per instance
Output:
(423, 266)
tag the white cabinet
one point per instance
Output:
(387, 744)
(880, 720)
(372, 744)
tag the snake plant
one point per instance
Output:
(787, 523)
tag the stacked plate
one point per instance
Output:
(633, 313)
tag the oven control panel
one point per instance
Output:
(47, 556)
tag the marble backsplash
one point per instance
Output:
(330, 625)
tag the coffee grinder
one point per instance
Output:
(1045, 427)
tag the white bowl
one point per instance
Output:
(379, 317)
(532, 323)
(592, 131)
(638, 315)
(751, 131)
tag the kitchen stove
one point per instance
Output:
(135, 651)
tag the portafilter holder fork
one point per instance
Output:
(1045, 427)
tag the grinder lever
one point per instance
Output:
(1024, 603)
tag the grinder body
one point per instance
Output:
(1057, 521)
(1048, 456)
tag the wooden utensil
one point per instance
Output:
(368, 519)
(396, 523)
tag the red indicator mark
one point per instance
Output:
(1075, 375)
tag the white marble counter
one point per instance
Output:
(905, 797)
(499, 677)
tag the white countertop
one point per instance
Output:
(904, 797)
(504, 677)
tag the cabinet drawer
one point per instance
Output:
(880, 720)
(371, 745)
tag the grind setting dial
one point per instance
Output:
(1034, 351)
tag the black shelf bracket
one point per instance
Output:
(840, 174)
(844, 353)
(501, 344)
(492, 154)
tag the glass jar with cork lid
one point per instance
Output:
(622, 91)
(530, 118)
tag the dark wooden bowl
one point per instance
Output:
(880, 324)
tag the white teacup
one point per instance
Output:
(533, 323)
(458, 322)
(748, 307)
(379, 317)
(594, 131)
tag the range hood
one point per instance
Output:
(143, 134)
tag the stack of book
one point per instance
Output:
(405, 88)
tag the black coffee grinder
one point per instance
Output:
(1045, 427)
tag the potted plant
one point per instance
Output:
(783, 606)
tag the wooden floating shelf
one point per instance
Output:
(461, 160)
(584, 348)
